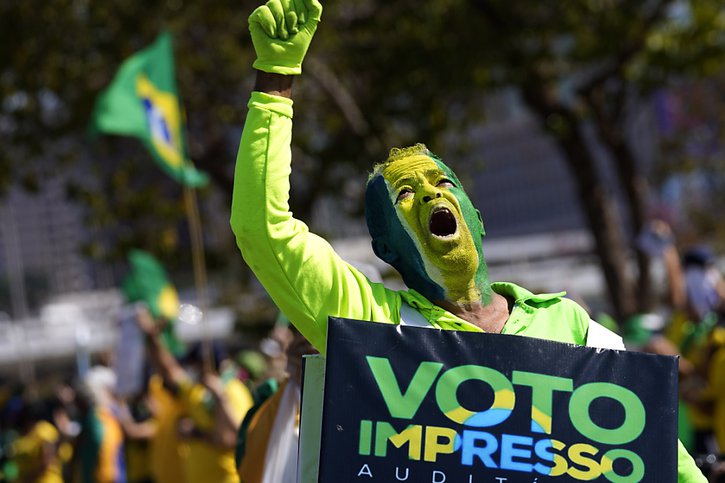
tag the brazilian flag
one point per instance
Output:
(148, 282)
(142, 102)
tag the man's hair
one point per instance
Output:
(396, 154)
(376, 191)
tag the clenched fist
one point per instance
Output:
(281, 33)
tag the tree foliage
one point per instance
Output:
(691, 176)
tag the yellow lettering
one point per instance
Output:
(412, 435)
(560, 464)
(433, 445)
(577, 454)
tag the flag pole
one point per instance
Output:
(200, 280)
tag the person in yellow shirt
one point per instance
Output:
(268, 439)
(139, 426)
(213, 408)
(36, 450)
(165, 447)
(715, 373)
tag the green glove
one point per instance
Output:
(281, 33)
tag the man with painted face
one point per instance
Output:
(420, 219)
(423, 224)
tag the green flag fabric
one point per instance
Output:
(142, 102)
(148, 282)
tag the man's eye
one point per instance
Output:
(445, 183)
(404, 193)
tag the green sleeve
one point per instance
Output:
(687, 471)
(302, 273)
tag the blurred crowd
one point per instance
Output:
(690, 323)
(156, 410)
(182, 425)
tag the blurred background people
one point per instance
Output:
(139, 423)
(99, 450)
(269, 435)
(36, 451)
(692, 326)
(213, 406)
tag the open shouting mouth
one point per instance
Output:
(442, 223)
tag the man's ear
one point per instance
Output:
(480, 219)
(384, 251)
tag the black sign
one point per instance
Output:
(424, 405)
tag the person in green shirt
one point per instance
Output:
(418, 214)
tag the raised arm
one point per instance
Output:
(301, 272)
(170, 370)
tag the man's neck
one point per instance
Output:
(490, 317)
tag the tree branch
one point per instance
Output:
(212, 161)
(628, 51)
(345, 101)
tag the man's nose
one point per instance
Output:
(428, 197)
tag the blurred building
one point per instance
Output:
(41, 235)
(521, 182)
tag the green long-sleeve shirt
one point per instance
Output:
(309, 282)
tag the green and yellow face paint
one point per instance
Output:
(423, 223)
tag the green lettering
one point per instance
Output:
(403, 405)
(634, 413)
(542, 390)
(366, 431)
(612, 455)
(447, 397)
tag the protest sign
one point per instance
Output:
(130, 354)
(424, 405)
